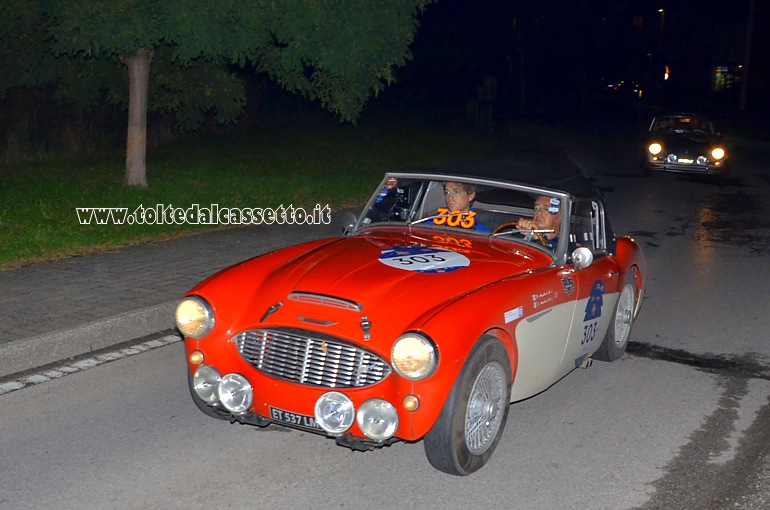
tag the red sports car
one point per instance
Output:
(457, 291)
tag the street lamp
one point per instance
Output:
(662, 19)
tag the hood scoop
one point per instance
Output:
(324, 300)
(313, 298)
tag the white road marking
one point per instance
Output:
(85, 364)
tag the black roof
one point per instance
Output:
(544, 170)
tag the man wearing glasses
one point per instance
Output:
(545, 222)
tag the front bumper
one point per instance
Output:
(689, 168)
(386, 406)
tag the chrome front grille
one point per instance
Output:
(307, 357)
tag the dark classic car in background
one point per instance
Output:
(420, 322)
(686, 143)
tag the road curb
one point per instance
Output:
(47, 348)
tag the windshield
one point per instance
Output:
(682, 124)
(514, 212)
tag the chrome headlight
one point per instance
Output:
(194, 317)
(334, 412)
(718, 153)
(655, 148)
(235, 393)
(205, 383)
(377, 419)
(413, 356)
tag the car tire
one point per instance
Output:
(214, 412)
(616, 339)
(481, 396)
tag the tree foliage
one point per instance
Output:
(337, 52)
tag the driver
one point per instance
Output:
(459, 198)
(546, 216)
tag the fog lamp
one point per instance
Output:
(334, 412)
(205, 383)
(377, 419)
(235, 393)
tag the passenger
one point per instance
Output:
(459, 199)
(546, 221)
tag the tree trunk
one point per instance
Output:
(136, 146)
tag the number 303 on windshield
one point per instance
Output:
(455, 218)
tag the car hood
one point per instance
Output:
(392, 265)
(395, 276)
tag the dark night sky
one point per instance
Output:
(555, 53)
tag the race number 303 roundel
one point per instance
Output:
(423, 259)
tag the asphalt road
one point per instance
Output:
(681, 422)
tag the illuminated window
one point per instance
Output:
(726, 77)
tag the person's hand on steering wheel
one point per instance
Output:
(525, 224)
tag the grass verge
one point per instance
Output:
(332, 164)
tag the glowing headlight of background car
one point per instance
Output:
(413, 356)
(655, 148)
(718, 153)
(194, 317)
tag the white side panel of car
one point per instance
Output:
(541, 339)
(545, 355)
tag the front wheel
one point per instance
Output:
(472, 420)
(616, 340)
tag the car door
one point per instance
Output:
(595, 287)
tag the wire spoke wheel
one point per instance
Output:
(472, 420)
(485, 408)
(624, 317)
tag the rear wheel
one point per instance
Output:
(472, 420)
(616, 340)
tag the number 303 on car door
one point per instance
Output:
(589, 332)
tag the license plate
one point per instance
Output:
(686, 160)
(293, 419)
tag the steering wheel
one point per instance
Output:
(532, 234)
(504, 226)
